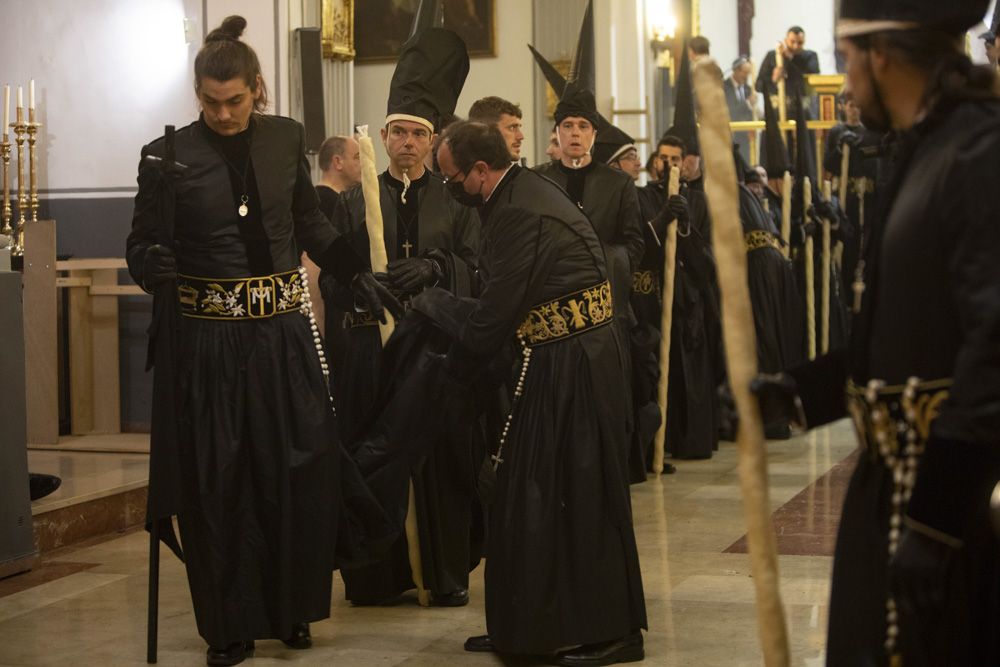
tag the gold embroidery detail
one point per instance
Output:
(241, 298)
(568, 315)
(644, 282)
(760, 238)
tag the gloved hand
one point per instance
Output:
(677, 205)
(849, 138)
(159, 265)
(376, 297)
(411, 273)
(918, 574)
(779, 399)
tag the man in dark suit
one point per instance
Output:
(741, 100)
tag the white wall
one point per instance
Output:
(719, 23)
(108, 74)
(509, 75)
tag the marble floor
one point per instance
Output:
(87, 605)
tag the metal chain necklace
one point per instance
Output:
(243, 209)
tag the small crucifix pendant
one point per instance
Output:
(496, 461)
(407, 247)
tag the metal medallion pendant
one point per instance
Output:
(243, 210)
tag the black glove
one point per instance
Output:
(374, 295)
(411, 273)
(849, 138)
(677, 205)
(158, 266)
(918, 575)
(779, 399)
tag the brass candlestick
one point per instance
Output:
(6, 213)
(17, 240)
(32, 162)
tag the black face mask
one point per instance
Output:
(457, 190)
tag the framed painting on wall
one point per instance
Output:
(337, 33)
(382, 26)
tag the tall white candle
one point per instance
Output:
(6, 108)
(31, 94)
(20, 97)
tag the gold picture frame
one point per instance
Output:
(337, 32)
(382, 26)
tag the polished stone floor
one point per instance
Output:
(87, 605)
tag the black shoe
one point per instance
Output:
(627, 649)
(669, 468)
(300, 639)
(479, 644)
(458, 598)
(233, 654)
(40, 485)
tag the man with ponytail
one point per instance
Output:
(916, 576)
(253, 471)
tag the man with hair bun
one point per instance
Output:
(253, 474)
(562, 570)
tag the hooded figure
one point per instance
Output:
(430, 240)
(916, 573)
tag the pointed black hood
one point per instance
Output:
(430, 14)
(577, 100)
(611, 142)
(584, 67)
(429, 77)
(805, 157)
(861, 17)
(775, 153)
(551, 74)
(685, 127)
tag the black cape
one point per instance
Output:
(930, 310)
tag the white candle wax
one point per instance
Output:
(31, 94)
(20, 97)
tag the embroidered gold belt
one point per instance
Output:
(646, 282)
(568, 316)
(888, 419)
(761, 238)
(241, 298)
(364, 319)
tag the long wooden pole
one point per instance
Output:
(380, 261)
(810, 270)
(779, 61)
(666, 321)
(825, 260)
(741, 355)
(786, 213)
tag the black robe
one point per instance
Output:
(448, 232)
(254, 472)
(931, 310)
(695, 355)
(561, 565)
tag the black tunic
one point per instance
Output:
(562, 567)
(695, 361)
(930, 310)
(429, 223)
(255, 466)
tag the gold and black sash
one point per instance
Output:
(568, 316)
(887, 417)
(646, 282)
(761, 238)
(359, 319)
(241, 298)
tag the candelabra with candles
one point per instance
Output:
(27, 192)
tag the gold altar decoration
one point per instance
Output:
(337, 32)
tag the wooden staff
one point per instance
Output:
(786, 213)
(380, 262)
(779, 61)
(666, 320)
(825, 259)
(741, 355)
(754, 148)
(810, 270)
(845, 174)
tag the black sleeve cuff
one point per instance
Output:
(821, 386)
(341, 261)
(953, 486)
